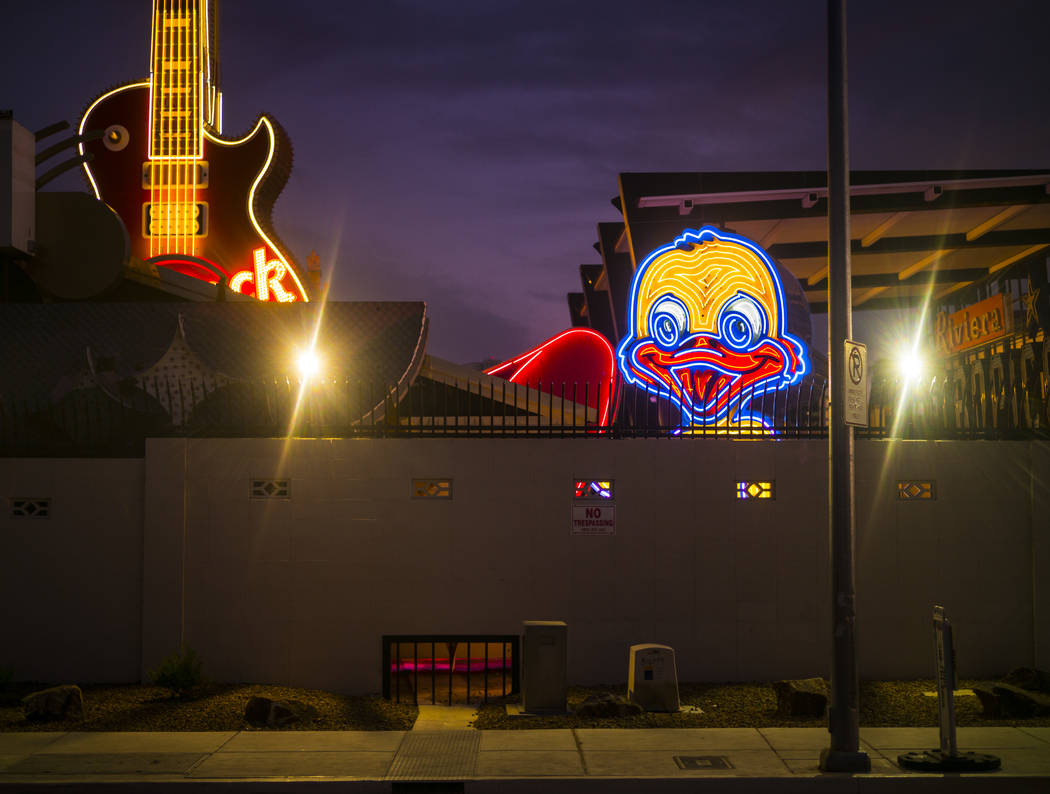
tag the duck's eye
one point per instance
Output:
(742, 323)
(668, 322)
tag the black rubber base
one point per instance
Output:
(938, 761)
(844, 761)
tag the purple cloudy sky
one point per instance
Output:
(462, 152)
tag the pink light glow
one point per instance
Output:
(423, 665)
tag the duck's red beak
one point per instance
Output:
(706, 374)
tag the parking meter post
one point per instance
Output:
(947, 680)
(947, 757)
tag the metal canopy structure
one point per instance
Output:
(915, 235)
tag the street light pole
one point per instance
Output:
(844, 754)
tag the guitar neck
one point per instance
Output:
(184, 95)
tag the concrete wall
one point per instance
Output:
(300, 590)
(70, 585)
(970, 550)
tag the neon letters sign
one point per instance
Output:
(971, 326)
(707, 330)
(266, 278)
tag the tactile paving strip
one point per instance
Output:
(436, 755)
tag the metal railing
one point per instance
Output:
(114, 420)
(422, 665)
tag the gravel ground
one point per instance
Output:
(220, 707)
(753, 705)
(215, 707)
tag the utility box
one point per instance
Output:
(545, 663)
(652, 678)
(17, 186)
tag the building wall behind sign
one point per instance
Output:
(17, 186)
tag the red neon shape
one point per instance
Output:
(576, 356)
(189, 268)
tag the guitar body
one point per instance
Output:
(237, 183)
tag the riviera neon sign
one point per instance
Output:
(708, 330)
(266, 277)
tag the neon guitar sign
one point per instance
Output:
(192, 200)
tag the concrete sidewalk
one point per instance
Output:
(715, 759)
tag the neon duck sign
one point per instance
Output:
(708, 330)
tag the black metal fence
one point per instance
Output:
(450, 668)
(985, 400)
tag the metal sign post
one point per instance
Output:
(844, 754)
(947, 758)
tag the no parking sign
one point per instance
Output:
(856, 386)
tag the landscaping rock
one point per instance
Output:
(608, 705)
(990, 706)
(285, 712)
(58, 702)
(1029, 678)
(257, 712)
(1017, 702)
(802, 697)
(262, 711)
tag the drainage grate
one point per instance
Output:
(436, 755)
(702, 762)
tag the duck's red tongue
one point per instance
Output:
(710, 373)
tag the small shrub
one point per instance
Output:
(181, 672)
